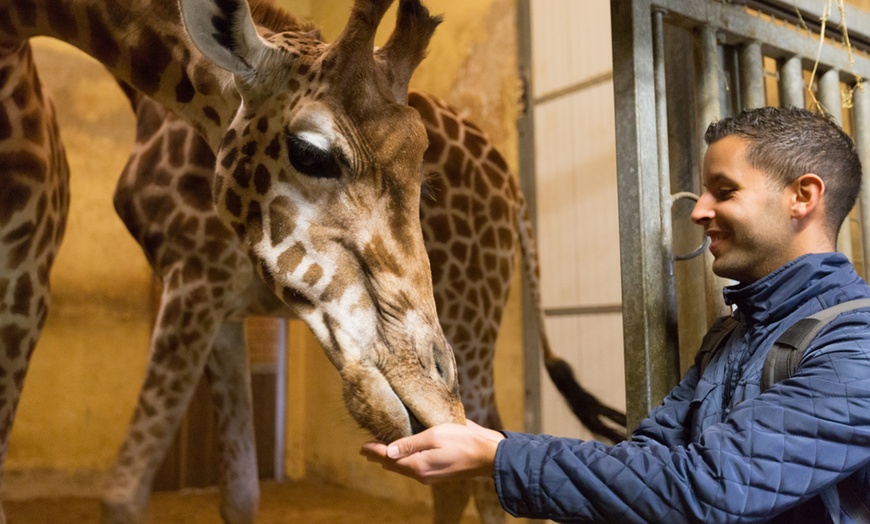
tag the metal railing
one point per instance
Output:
(678, 65)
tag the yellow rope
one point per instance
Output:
(847, 95)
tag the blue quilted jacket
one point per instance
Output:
(717, 450)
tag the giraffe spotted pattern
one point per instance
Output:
(35, 195)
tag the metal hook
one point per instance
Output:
(688, 256)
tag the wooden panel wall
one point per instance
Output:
(576, 199)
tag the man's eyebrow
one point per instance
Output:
(718, 178)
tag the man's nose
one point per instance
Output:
(703, 210)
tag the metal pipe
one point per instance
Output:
(280, 399)
(751, 76)
(667, 238)
(709, 98)
(829, 94)
(829, 97)
(526, 128)
(708, 80)
(791, 83)
(650, 370)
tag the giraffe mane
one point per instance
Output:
(275, 18)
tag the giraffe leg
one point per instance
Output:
(486, 501)
(449, 501)
(451, 498)
(18, 337)
(180, 345)
(230, 385)
(34, 190)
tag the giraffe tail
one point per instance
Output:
(585, 406)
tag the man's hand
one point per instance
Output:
(444, 452)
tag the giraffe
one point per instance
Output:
(473, 215)
(317, 171)
(34, 193)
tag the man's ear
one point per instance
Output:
(808, 191)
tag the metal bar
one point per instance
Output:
(650, 371)
(707, 81)
(829, 94)
(708, 86)
(831, 101)
(751, 76)
(669, 296)
(791, 82)
(526, 130)
(811, 12)
(280, 398)
(605, 309)
(779, 41)
(861, 132)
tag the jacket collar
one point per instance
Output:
(782, 291)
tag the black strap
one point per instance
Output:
(783, 358)
(853, 502)
(713, 341)
(781, 363)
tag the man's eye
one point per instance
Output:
(310, 160)
(723, 194)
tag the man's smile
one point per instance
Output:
(717, 237)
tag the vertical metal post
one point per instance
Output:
(707, 83)
(526, 128)
(651, 371)
(661, 95)
(751, 76)
(829, 94)
(861, 120)
(280, 398)
(829, 97)
(791, 83)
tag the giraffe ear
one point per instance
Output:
(224, 33)
(406, 47)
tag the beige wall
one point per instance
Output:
(89, 364)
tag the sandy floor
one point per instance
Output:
(301, 503)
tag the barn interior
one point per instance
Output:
(545, 79)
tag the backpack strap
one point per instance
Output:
(781, 363)
(783, 358)
(713, 340)
(852, 502)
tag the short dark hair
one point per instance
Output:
(787, 142)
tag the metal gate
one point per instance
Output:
(677, 66)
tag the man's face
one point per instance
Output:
(745, 214)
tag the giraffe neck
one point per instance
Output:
(141, 42)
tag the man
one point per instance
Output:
(779, 183)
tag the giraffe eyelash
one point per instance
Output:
(427, 188)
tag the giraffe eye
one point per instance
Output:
(310, 160)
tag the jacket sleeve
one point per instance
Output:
(668, 424)
(770, 454)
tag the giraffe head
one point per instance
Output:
(320, 174)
